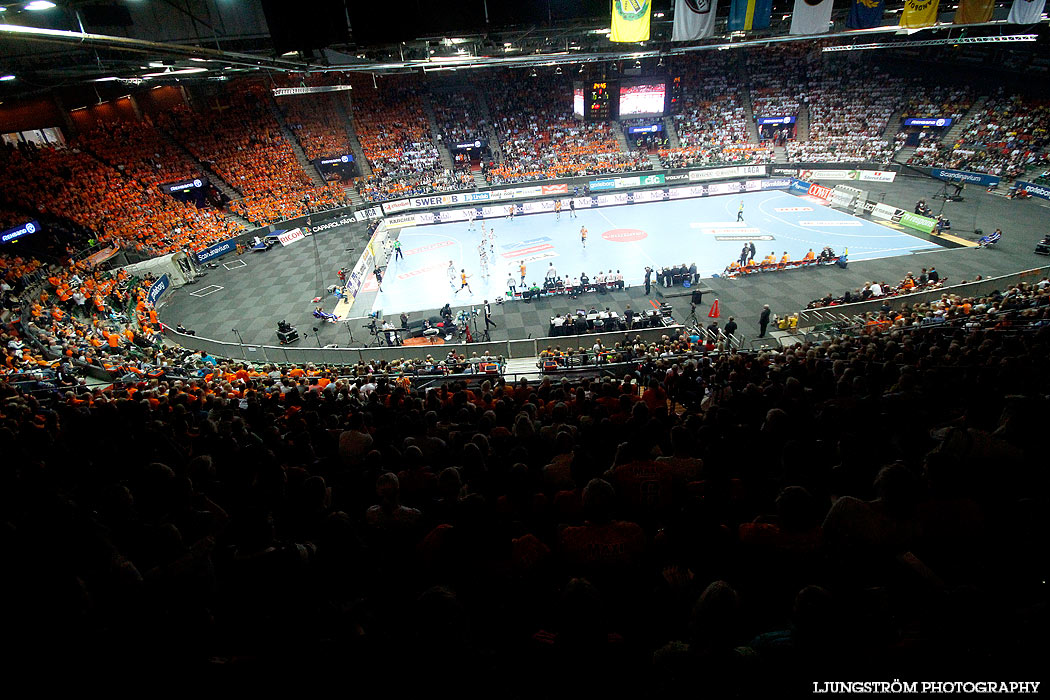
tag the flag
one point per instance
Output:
(694, 19)
(1026, 11)
(919, 13)
(749, 14)
(630, 21)
(973, 11)
(865, 14)
(810, 16)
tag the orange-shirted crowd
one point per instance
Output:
(317, 124)
(100, 319)
(242, 141)
(74, 184)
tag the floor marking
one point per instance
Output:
(205, 291)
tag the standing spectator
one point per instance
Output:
(730, 328)
(648, 279)
(763, 321)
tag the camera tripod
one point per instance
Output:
(692, 315)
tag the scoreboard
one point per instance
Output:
(599, 100)
(675, 96)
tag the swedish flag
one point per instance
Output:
(630, 20)
(745, 15)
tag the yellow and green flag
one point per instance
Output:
(630, 20)
(919, 13)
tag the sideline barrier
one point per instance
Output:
(292, 354)
(808, 318)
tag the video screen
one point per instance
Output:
(642, 99)
(577, 100)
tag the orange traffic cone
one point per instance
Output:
(713, 313)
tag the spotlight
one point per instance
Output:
(39, 5)
(533, 74)
(557, 71)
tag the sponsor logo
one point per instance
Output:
(332, 224)
(625, 235)
(676, 178)
(869, 206)
(189, 185)
(526, 244)
(527, 251)
(422, 270)
(279, 92)
(747, 231)
(645, 129)
(399, 205)
(700, 7)
(158, 288)
(477, 196)
(830, 223)
(425, 248)
(602, 185)
(17, 232)
(821, 192)
(554, 189)
(930, 121)
(763, 237)
(296, 234)
(787, 209)
(964, 176)
(775, 120)
(1034, 190)
(215, 251)
(653, 180)
(399, 221)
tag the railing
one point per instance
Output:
(808, 318)
(508, 349)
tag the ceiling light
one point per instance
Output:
(182, 71)
(205, 60)
(5, 78)
(533, 74)
(39, 5)
(581, 68)
(157, 64)
(557, 71)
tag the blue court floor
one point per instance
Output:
(625, 238)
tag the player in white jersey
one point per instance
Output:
(451, 271)
(471, 215)
(484, 264)
(491, 235)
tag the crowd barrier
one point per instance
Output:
(301, 354)
(808, 318)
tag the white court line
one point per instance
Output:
(205, 291)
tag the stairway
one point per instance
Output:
(293, 143)
(893, 124)
(654, 160)
(355, 199)
(364, 169)
(621, 140)
(223, 186)
(672, 133)
(904, 154)
(780, 154)
(486, 115)
(802, 124)
(436, 136)
(745, 98)
(479, 179)
(957, 128)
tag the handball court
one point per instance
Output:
(280, 284)
(627, 238)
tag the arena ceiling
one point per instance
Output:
(80, 42)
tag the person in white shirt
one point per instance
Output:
(451, 272)
(552, 273)
(876, 289)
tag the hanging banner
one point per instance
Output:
(865, 14)
(630, 21)
(974, 11)
(745, 15)
(694, 19)
(919, 13)
(811, 17)
(1026, 11)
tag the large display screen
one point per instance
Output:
(646, 98)
(577, 100)
(598, 99)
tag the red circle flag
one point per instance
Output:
(624, 235)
